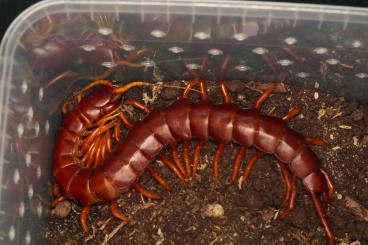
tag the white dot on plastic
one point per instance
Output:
(176, 50)
(28, 159)
(357, 44)
(30, 192)
(148, 63)
(47, 127)
(30, 114)
(27, 238)
(302, 74)
(16, 176)
(127, 47)
(240, 36)
(39, 210)
(40, 94)
(215, 51)
(320, 50)
(290, 40)
(11, 233)
(332, 61)
(21, 209)
(158, 33)
(242, 68)
(105, 31)
(285, 62)
(202, 35)
(37, 128)
(109, 64)
(193, 66)
(20, 130)
(38, 172)
(260, 51)
(361, 75)
(88, 47)
(24, 87)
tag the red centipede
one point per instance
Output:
(87, 168)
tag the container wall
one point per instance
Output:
(56, 47)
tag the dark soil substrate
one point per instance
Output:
(181, 216)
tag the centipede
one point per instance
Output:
(93, 164)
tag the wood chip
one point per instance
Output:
(356, 141)
(321, 113)
(336, 148)
(316, 95)
(345, 126)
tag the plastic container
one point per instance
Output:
(300, 44)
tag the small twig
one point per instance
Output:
(356, 208)
(113, 233)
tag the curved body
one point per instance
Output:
(166, 126)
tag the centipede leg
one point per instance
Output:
(316, 141)
(158, 178)
(114, 208)
(224, 91)
(177, 161)
(137, 105)
(145, 192)
(264, 96)
(83, 218)
(172, 166)
(249, 166)
(323, 217)
(291, 114)
(125, 120)
(237, 162)
(57, 201)
(186, 156)
(197, 155)
(291, 202)
(218, 153)
(287, 182)
(330, 187)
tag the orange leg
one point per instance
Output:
(238, 160)
(197, 155)
(176, 158)
(330, 187)
(125, 120)
(114, 208)
(291, 203)
(323, 217)
(57, 201)
(117, 131)
(264, 96)
(83, 218)
(225, 93)
(108, 142)
(219, 151)
(287, 183)
(186, 156)
(158, 178)
(171, 165)
(250, 165)
(145, 192)
(316, 141)
(291, 114)
(137, 105)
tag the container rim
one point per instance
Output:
(28, 16)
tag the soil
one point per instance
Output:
(202, 211)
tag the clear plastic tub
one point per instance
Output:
(295, 43)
